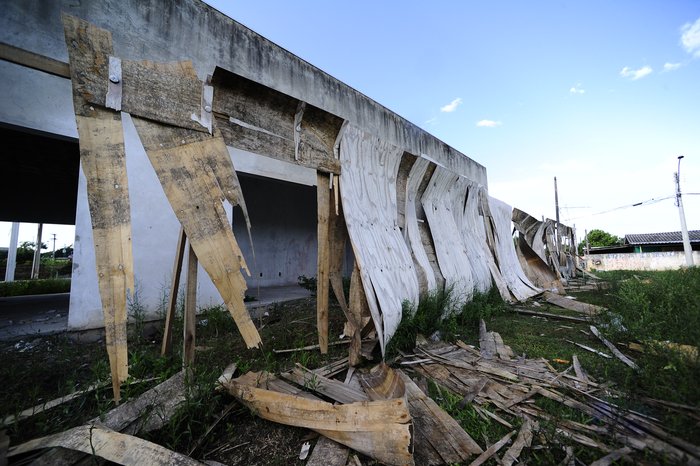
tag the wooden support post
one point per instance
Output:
(172, 299)
(322, 278)
(190, 314)
(37, 253)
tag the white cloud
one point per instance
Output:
(690, 38)
(452, 106)
(431, 121)
(672, 66)
(487, 123)
(577, 90)
(627, 72)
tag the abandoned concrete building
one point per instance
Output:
(166, 102)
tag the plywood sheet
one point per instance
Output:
(180, 158)
(368, 191)
(424, 270)
(103, 160)
(499, 218)
(438, 204)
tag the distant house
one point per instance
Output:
(645, 251)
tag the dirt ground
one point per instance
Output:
(212, 425)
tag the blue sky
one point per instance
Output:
(602, 94)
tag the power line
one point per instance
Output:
(627, 206)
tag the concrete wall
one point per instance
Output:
(165, 30)
(639, 261)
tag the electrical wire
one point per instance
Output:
(636, 204)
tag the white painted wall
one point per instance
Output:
(639, 261)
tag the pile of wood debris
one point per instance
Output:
(387, 414)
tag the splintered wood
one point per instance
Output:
(512, 387)
(380, 429)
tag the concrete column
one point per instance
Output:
(12, 253)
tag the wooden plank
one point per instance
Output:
(169, 94)
(337, 238)
(549, 315)
(382, 383)
(492, 450)
(259, 119)
(113, 446)
(148, 412)
(333, 389)
(190, 312)
(180, 159)
(89, 48)
(618, 354)
(380, 429)
(34, 60)
(326, 452)
(572, 304)
(149, 90)
(592, 350)
(323, 258)
(172, 297)
(613, 457)
(435, 430)
(103, 160)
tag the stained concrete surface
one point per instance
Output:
(25, 316)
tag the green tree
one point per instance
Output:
(597, 238)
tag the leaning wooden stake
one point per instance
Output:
(172, 299)
(322, 279)
(190, 317)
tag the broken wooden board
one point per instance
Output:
(491, 344)
(148, 412)
(380, 429)
(326, 452)
(359, 316)
(166, 345)
(618, 354)
(181, 159)
(103, 159)
(439, 438)
(535, 268)
(572, 304)
(113, 446)
(368, 191)
(523, 440)
(549, 315)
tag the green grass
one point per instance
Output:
(439, 311)
(34, 287)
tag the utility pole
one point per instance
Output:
(53, 255)
(557, 240)
(684, 228)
